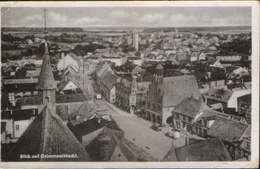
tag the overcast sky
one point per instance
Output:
(127, 16)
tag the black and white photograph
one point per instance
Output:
(128, 83)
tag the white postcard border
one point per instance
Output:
(255, 87)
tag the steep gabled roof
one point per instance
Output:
(175, 89)
(132, 152)
(108, 79)
(48, 135)
(221, 94)
(46, 78)
(208, 150)
(159, 66)
(190, 106)
(227, 129)
(64, 83)
(104, 145)
(94, 124)
(104, 68)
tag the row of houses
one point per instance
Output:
(22, 101)
(177, 101)
(96, 138)
(126, 90)
(194, 117)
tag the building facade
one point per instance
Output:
(166, 92)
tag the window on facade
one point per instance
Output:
(3, 126)
(17, 127)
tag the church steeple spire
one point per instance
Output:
(45, 24)
(46, 83)
(46, 79)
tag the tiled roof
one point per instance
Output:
(208, 150)
(159, 66)
(31, 100)
(220, 94)
(46, 78)
(92, 125)
(227, 129)
(247, 132)
(60, 98)
(190, 106)
(175, 89)
(104, 68)
(108, 79)
(63, 112)
(48, 135)
(20, 81)
(69, 98)
(6, 115)
(133, 152)
(85, 111)
(103, 146)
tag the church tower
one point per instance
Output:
(46, 83)
(159, 70)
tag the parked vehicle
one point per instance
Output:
(98, 97)
(173, 134)
(156, 127)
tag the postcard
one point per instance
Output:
(130, 84)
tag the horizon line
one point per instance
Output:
(123, 26)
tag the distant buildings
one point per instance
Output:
(162, 86)
(14, 123)
(47, 137)
(135, 40)
(192, 115)
(235, 136)
(228, 99)
(68, 61)
(107, 86)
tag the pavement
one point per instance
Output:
(138, 130)
(135, 128)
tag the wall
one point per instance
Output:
(113, 95)
(167, 112)
(23, 125)
(9, 126)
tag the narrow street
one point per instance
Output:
(135, 128)
(138, 130)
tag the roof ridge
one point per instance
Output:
(46, 78)
(67, 130)
(44, 129)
